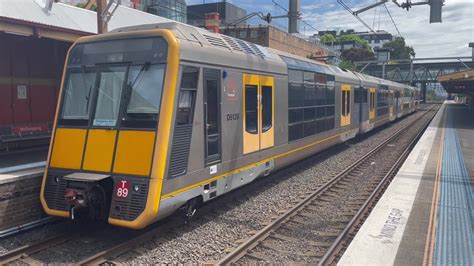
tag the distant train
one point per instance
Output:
(154, 118)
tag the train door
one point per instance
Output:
(212, 116)
(390, 102)
(345, 105)
(372, 103)
(258, 110)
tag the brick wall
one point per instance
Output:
(19, 202)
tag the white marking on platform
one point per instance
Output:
(22, 167)
(379, 238)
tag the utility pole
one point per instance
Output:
(293, 16)
(101, 23)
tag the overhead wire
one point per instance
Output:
(302, 20)
(393, 21)
(341, 2)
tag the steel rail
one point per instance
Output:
(26, 251)
(254, 240)
(330, 256)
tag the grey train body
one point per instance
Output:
(222, 62)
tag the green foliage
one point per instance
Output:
(399, 49)
(357, 54)
(346, 64)
(353, 37)
(328, 38)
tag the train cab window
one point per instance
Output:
(145, 84)
(111, 80)
(77, 96)
(187, 96)
(212, 115)
(267, 108)
(251, 109)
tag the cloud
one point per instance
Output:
(449, 38)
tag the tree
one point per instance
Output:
(357, 54)
(353, 37)
(399, 49)
(346, 64)
(327, 38)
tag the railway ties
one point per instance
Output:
(320, 227)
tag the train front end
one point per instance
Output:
(110, 142)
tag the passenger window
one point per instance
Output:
(348, 98)
(267, 108)
(187, 96)
(251, 109)
(185, 107)
(343, 103)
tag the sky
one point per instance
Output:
(449, 38)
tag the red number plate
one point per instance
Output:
(122, 188)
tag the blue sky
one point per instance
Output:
(449, 38)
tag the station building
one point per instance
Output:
(33, 45)
(269, 36)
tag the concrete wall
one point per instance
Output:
(19, 200)
(277, 39)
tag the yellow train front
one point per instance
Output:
(159, 117)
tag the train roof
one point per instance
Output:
(262, 57)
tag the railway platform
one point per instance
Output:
(19, 197)
(426, 214)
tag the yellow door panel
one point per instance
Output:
(391, 102)
(345, 105)
(134, 152)
(372, 103)
(267, 135)
(250, 136)
(99, 150)
(68, 148)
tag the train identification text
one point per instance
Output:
(231, 117)
(122, 188)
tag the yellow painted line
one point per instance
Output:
(430, 235)
(250, 166)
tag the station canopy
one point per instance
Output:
(63, 22)
(459, 82)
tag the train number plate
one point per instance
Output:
(122, 188)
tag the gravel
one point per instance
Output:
(219, 225)
(233, 217)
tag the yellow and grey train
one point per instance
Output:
(156, 118)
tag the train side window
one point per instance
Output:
(267, 108)
(251, 109)
(187, 95)
(348, 96)
(343, 102)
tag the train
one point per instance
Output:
(152, 119)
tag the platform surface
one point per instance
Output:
(426, 214)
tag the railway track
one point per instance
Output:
(348, 198)
(111, 254)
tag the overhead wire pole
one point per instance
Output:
(101, 23)
(285, 16)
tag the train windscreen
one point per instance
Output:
(115, 83)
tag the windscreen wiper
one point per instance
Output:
(88, 96)
(143, 69)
